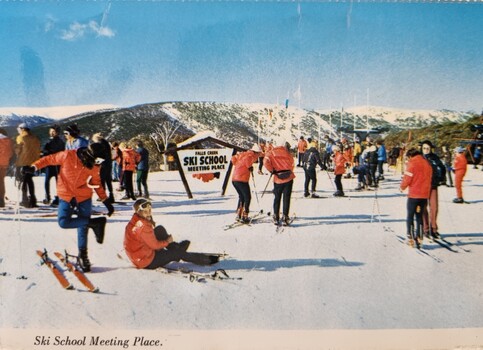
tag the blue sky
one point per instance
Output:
(401, 55)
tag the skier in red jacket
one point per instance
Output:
(460, 165)
(78, 176)
(243, 167)
(280, 163)
(417, 177)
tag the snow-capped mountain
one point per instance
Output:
(239, 124)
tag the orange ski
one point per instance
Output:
(58, 273)
(77, 271)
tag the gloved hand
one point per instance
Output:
(27, 170)
(109, 206)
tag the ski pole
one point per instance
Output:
(256, 193)
(330, 179)
(376, 204)
(271, 174)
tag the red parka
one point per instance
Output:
(242, 163)
(140, 242)
(302, 146)
(73, 178)
(279, 159)
(339, 161)
(130, 158)
(417, 177)
(460, 164)
(6, 151)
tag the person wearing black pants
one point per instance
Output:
(244, 195)
(149, 246)
(280, 163)
(415, 207)
(417, 178)
(282, 190)
(106, 166)
(54, 145)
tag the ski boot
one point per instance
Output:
(458, 200)
(183, 245)
(411, 242)
(276, 219)
(98, 225)
(239, 212)
(33, 202)
(55, 202)
(25, 200)
(360, 186)
(286, 220)
(245, 219)
(84, 262)
(306, 194)
(314, 195)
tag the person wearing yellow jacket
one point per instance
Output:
(28, 150)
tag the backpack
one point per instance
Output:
(371, 157)
(310, 160)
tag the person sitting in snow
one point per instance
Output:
(243, 166)
(79, 175)
(149, 246)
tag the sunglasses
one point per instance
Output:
(66, 133)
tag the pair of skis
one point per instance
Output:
(192, 276)
(281, 225)
(252, 219)
(74, 268)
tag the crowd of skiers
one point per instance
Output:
(425, 172)
(81, 167)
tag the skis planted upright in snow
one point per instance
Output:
(76, 270)
(58, 273)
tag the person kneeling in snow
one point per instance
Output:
(79, 175)
(149, 246)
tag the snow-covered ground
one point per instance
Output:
(340, 273)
